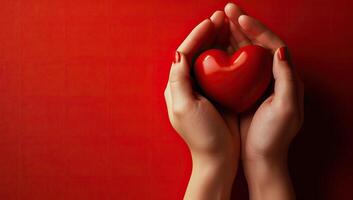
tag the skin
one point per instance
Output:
(212, 136)
(217, 139)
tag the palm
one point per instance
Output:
(210, 121)
(253, 124)
(256, 138)
(214, 134)
(202, 126)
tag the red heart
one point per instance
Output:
(235, 82)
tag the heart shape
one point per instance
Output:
(235, 82)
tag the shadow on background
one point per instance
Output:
(314, 149)
(312, 152)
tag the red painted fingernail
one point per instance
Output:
(282, 53)
(177, 57)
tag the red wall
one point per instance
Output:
(82, 113)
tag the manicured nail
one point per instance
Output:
(177, 57)
(282, 53)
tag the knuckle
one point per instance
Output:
(173, 78)
(287, 110)
(290, 77)
(291, 113)
(181, 109)
(282, 104)
(174, 75)
(178, 74)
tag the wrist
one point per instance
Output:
(224, 167)
(220, 159)
(261, 167)
(268, 178)
(211, 177)
(272, 155)
(264, 167)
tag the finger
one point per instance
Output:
(232, 40)
(221, 24)
(217, 19)
(233, 12)
(198, 38)
(238, 36)
(285, 91)
(259, 33)
(180, 81)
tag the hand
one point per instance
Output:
(267, 132)
(212, 135)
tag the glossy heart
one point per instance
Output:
(235, 82)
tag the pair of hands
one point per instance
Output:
(218, 138)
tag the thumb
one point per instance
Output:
(285, 83)
(180, 81)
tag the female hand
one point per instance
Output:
(211, 135)
(266, 133)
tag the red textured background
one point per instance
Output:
(82, 113)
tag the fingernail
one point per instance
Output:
(282, 53)
(177, 57)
